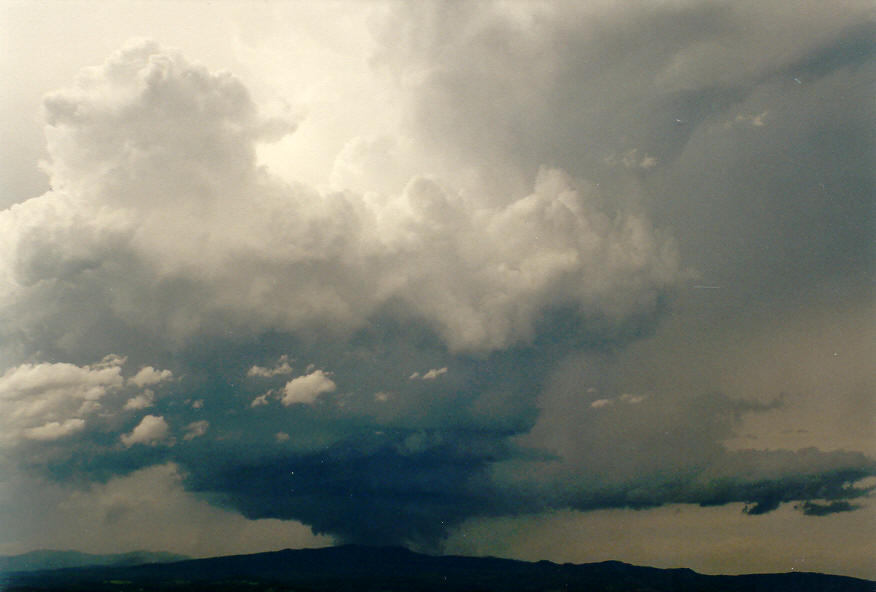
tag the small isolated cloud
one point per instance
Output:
(151, 429)
(305, 389)
(624, 398)
(196, 429)
(634, 160)
(197, 404)
(141, 401)
(758, 120)
(55, 430)
(815, 509)
(281, 436)
(429, 374)
(261, 399)
(282, 367)
(435, 373)
(148, 376)
(381, 397)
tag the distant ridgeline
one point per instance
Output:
(39, 560)
(390, 569)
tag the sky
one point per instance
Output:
(544, 280)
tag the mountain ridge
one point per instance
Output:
(41, 559)
(362, 568)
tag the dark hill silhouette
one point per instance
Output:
(51, 559)
(365, 569)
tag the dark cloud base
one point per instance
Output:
(408, 469)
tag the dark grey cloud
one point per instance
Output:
(816, 509)
(645, 451)
(780, 207)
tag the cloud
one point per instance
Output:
(431, 374)
(305, 389)
(149, 376)
(51, 400)
(282, 367)
(631, 159)
(109, 222)
(653, 453)
(624, 398)
(151, 430)
(491, 236)
(262, 399)
(141, 401)
(109, 516)
(816, 509)
(757, 120)
(54, 430)
(196, 429)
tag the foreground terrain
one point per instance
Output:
(365, 569)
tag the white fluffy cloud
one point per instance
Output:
(156, 194)
(148, 376)
(141, 401)
(282, 367)
(305, 389)
(429, 374)
(151, 430)
(49, 401)
(55, 429)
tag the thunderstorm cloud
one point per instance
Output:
(385, 356)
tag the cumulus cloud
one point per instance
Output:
(151, 430)
(196, 429)
(305, 389)
(282, 367)
(141, 401)
(149, 376)
(450, 260)
(431, 374)
(54, 429)
(48, 401)
(262, 399)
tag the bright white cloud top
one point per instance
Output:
(154, 176)
(305, 389)
(152, 429)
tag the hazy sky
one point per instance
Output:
(569, 281)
